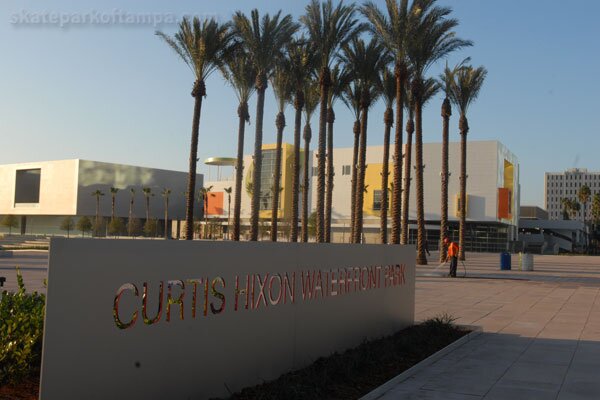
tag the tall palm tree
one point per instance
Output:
(464, 89)
(202, 45)
(147, 194)
(566, 205)
(97, 194)
(264, 41)
(300, 67)
(338, 82)
(431, 87)
(446, 79)
(228, 190)
(165, 194)
(432, 38)
(351, 98)
(282, 88)
(394, 30)
(365, 63)
(584, 195)
(388, 92)
(329, 28)
(113, 194)
(241, 76)
(130, 223)
(311, 100)
(203, 196)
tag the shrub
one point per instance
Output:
(21, 328)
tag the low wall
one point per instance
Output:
(194, 319)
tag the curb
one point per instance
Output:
(386, 387)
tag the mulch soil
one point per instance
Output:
(349, 375)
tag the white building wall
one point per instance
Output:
(485, 165)
(559, 185)
(58, 188)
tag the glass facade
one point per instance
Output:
(266, 179)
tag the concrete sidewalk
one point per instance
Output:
(540, 340)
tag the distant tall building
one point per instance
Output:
(560, 185)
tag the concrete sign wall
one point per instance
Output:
(143, 319)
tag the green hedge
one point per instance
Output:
(21, 328)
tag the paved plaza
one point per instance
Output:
(540, 330)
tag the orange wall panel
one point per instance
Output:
(215, 203)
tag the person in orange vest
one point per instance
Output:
(452, 256)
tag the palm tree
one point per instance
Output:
(300, 67)
(241, 75)
(165, 194)
(566, 205)
(329, 28)
(203, 196)
(202, 45)
(130, 223)
(584, 195)
(97, 193)
(394, 30)
(339, 79)
(351, 98)
(431, 87)
(365, 63)
(113, 194)
(264, 41)
(432, 38)
(228, 190)
(464, 89)
(446, 79)
(388, 92)
(311, 100)
(282, 88)
(147, 194)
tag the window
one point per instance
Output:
(346, 170)
(27, 186)
(376, 200)
(315, 171)
(266, 179)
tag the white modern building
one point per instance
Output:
(566, 185)
(42, 194)
(492, 188)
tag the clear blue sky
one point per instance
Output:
(117, 93)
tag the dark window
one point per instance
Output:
(346, 170)
(376, 200)
(27, 186)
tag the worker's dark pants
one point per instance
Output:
(453, 265)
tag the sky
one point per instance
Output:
(114, 92)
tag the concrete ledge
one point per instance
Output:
(6, 253)
(386, 387)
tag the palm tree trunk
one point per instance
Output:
(321, 150)
(298, 104)
(260, 108)
(446, 113)
(400, 73)
(464, 129)
(97, 227)
(147, 208)
(130, 221)
(239, 169)
(355, 148)
(166, 217)
(198, 93)
(307, 137)
(410, 129)
(388, 120)
(421, 259)
(280, 123)
(330, 175)
(360, 186)
(112, 208)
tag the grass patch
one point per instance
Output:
(357, 371)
